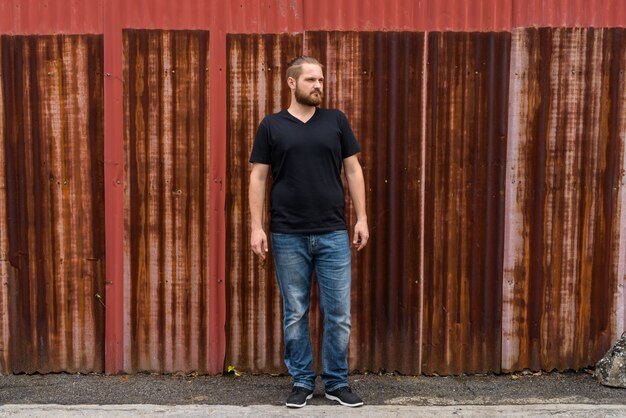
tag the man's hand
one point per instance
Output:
(361, 235)
(256, 197)
(258, 241)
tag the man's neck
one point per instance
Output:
(300, 111)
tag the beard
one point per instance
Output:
(309, 99)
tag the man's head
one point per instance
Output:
(305, 79)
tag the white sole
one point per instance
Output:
(293, 405)
(351, 405)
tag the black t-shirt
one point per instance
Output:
(306, 159)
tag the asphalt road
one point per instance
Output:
(246, 390)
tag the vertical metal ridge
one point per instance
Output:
(5, 344)
(619, 101)
(166, 209)
(422, 191)
(53, 154)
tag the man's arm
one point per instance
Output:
(356, 185)
(256, 197)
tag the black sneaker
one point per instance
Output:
(344, 396)
(298, 397)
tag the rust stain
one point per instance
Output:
(166, 263)
(53, 245)
(464, 201)
(564, 176)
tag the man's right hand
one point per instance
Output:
(258, 241)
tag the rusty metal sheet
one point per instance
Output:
(166, 140)
(51, 204)
(562, 303)
(466, 104)
(376, 78)
(256, 87)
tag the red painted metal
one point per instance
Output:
(275, 16)
(218, 184)
(571, 13)
(4, 246)
(408, 15)
(116, 334)
(461, 15)
(51, 16)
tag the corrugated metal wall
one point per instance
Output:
(473, 266)
(466, 135)
(565, 201)
(435, 154)
(51, 204)
(167, 196)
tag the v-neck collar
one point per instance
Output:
(300, 120)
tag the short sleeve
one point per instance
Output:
(261, 151)
(349, 144)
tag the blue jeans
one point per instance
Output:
(295, 258)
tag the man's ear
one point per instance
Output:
(291, 82)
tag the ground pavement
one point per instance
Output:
(388, 395)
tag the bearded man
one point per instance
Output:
(306, 148)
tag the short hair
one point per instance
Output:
(295, 66)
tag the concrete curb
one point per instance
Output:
(141, 410)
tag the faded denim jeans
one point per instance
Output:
(296, 256)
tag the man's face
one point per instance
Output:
(310, 85)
